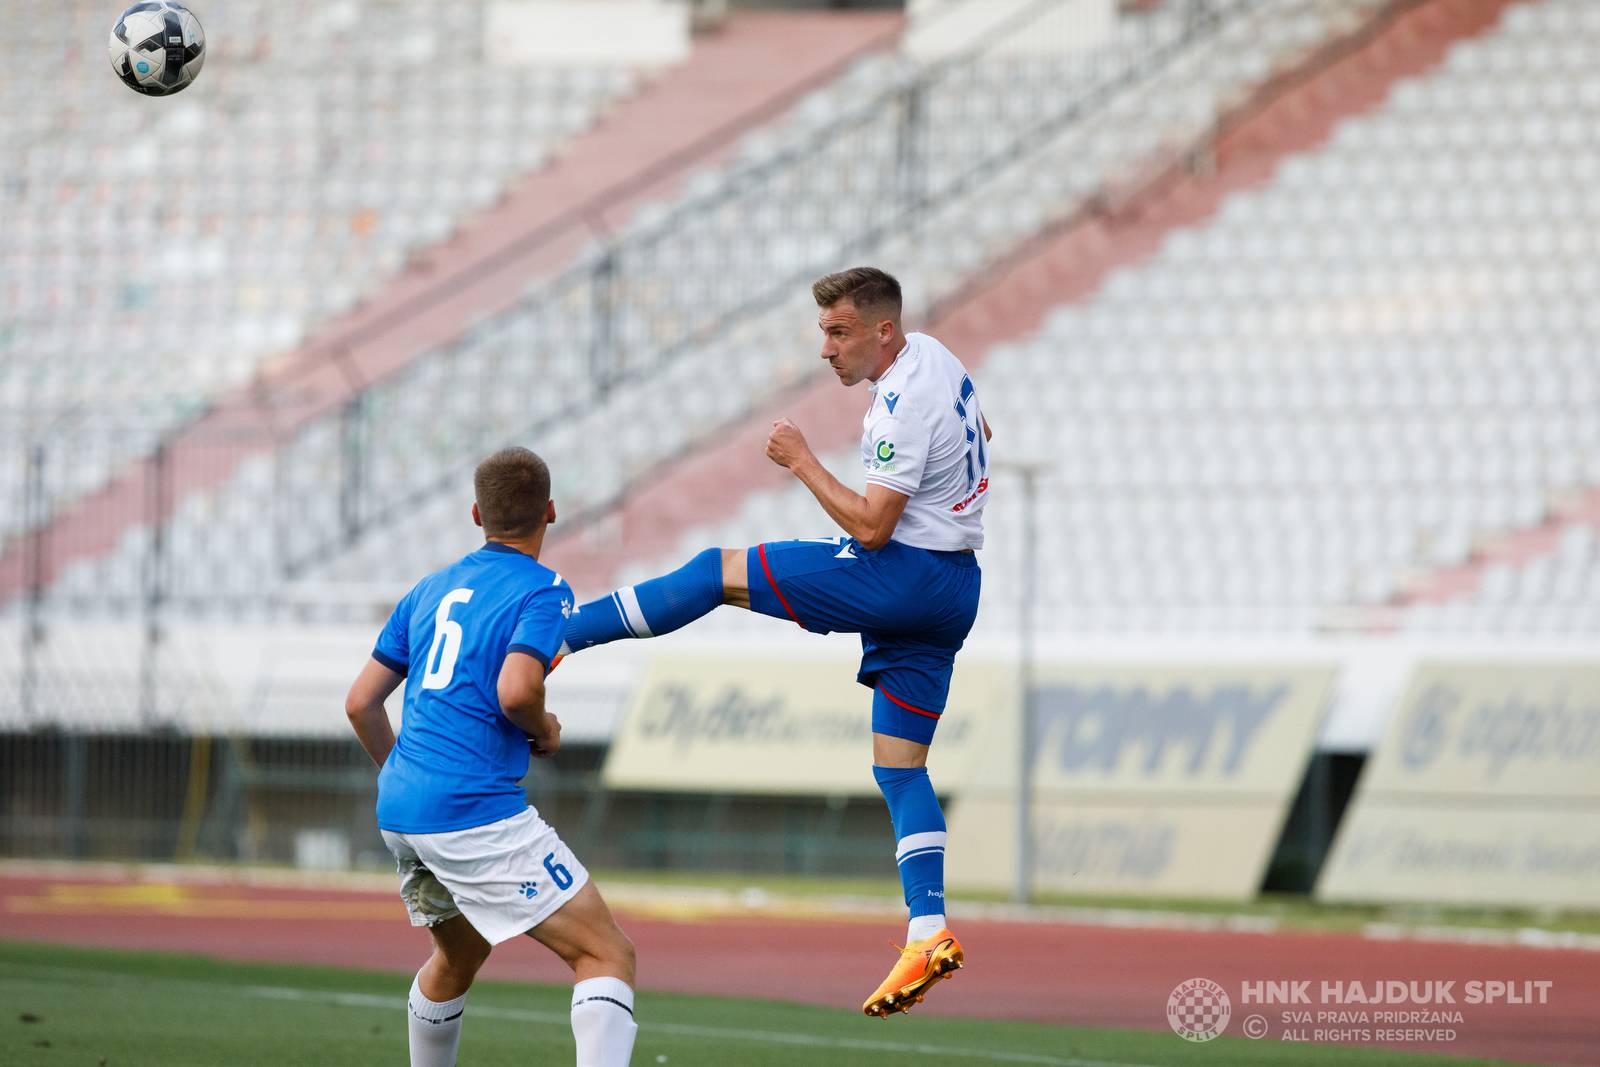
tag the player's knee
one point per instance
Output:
(623, 958)
(629, 961)
(735, 579)
(469, 967)
(464, 958)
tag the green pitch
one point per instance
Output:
(119, 1009)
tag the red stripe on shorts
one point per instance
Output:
(903, 704)
(761, 550)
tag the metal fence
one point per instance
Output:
(309, 804)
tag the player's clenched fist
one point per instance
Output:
(547, 741)
(786, 445)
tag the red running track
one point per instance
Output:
(1058, 973)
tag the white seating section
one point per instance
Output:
(527, 375)
(534, 364)
(1554, 593)
(158, 249)
(1355, 375)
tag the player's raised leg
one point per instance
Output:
(439, 992)
(662, 605)
(584, 934)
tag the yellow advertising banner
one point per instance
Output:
(1493, 730)
(1485, 789)
(1155, 779)
(781, 726)
(1466, 854)
(1200, 850)
(1149, 779)
(1161, 729)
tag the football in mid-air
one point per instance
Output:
(157, 48)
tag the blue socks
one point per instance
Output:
(919, 832)
(651, 608)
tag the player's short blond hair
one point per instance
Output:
(875, 293)
(513, 491)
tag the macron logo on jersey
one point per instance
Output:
(890, 400)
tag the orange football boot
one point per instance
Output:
(922, 963)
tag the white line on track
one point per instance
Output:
(547, 1018)
(709, 1033)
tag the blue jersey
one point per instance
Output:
(458, 760)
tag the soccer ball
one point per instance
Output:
(157, 48)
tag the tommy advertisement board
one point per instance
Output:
(1148, 779)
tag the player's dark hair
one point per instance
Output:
(875, 293)
(513, 490)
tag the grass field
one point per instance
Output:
(66, 1006)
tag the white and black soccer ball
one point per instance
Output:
(157, 47)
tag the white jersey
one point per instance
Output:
(923, 436)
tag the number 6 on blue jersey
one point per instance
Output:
(448, 634)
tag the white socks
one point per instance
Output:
(602, 1025)
(602, 1022)
(435, 1028)
(923, 926)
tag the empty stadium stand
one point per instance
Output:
(1369, 369)
(1540, 581)
(936, 166)
(158, 251)
(306, 170)
(78, 499)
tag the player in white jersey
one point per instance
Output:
(905, 577)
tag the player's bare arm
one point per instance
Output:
(520, 689)
(364, 707)
(870, 519)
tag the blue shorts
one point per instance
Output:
(913, 608)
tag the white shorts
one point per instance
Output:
(506, 877)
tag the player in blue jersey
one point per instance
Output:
(478, 866)
(905, 578)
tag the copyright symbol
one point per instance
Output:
(1255, 1027)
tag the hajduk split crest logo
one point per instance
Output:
(1198, 1009)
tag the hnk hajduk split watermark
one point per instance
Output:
(1380, 1011)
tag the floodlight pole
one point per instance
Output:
(35, 512)
(1022, 890)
